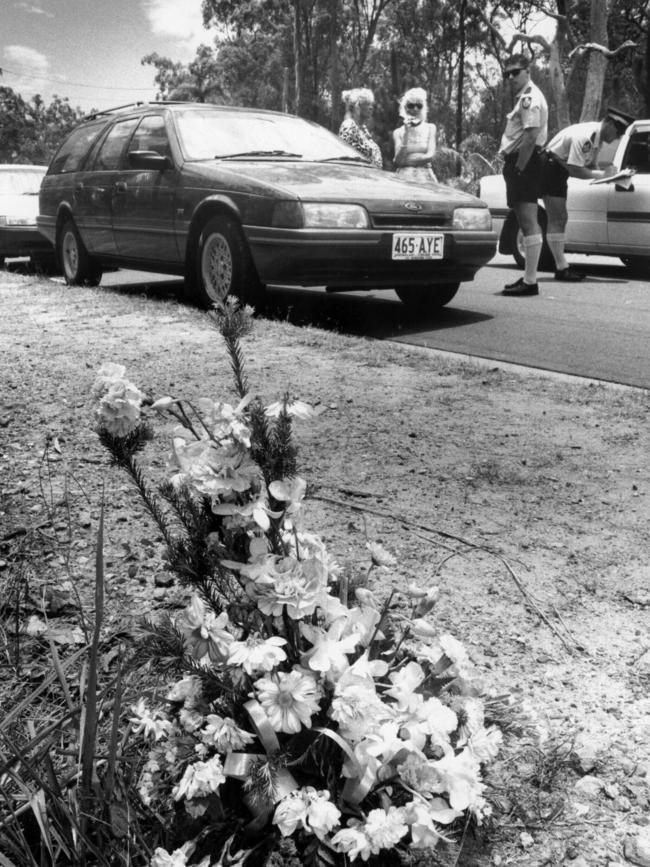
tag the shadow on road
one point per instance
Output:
(368, 315)
(372, 314)
(611, 273)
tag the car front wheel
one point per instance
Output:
(79, 269)
(224, 265)
(426, 299)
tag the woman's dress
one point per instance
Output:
(418, 142)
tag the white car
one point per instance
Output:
(610, 218)
(19, 187)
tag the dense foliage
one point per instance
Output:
(31, 131)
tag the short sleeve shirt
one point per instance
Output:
(577, 145)
(530, 112)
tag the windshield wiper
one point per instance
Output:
(275, 153)
(345, 157)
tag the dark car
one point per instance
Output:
(19, 236)
(235, 198)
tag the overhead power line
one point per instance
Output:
(57, 79)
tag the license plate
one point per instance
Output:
(420, 245)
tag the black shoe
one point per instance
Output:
(519, 287)
(568, 275)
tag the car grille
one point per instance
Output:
(408, 221)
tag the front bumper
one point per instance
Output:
(310, 257)
(22, 241)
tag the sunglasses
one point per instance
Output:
(512, 73)
(414, 105)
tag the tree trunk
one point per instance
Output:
(461, 74)
(335, 79)
(297, 58)
(558, 86)
(592, 100)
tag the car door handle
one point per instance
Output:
(79, 188)
(120, 187)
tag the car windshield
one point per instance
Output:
(20, 182)
(219, 135)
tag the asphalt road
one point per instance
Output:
(599, 328)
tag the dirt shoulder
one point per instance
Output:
(525, 498)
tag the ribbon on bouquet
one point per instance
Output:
(240, 766)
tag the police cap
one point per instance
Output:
(620, 118)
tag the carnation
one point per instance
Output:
(119, 408)
(200, 779)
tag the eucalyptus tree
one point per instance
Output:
(575, 50)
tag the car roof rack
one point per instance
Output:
(105, 111)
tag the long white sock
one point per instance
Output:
(556, 242)
(532, 251)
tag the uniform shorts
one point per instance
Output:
(523, 186)
(554, 178)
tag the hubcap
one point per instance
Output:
(216, 267)
(70, 255)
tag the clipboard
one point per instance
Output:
(624, 174)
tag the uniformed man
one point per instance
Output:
(573, 152)
(521, 146)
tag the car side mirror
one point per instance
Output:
(148, 160)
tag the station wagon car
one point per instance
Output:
(234, 199)
(607, 218)
(19, 236)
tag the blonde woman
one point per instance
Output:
(359, 106)
(415, 140)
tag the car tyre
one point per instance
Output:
(426, 299)
(79, 268)
(514, 241)
(224, 265)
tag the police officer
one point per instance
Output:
(521, 146)
(573, 152)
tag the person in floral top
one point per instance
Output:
(359, 106)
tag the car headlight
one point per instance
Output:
(476, 219)
(319, 215)
(17, 221)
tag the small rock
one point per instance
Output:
(163, 579)
(579, 862)
(526, 840)
(637, 849)
(589, 786)
(571, 852)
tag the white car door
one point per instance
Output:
(628, 205)
(587, 208)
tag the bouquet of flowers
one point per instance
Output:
(298, 704)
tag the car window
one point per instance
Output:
(72, 152)
(151, 135)
(20, 182)
(110, 153)
(637, 154)
(209, 134)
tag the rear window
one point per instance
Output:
(71, 154)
